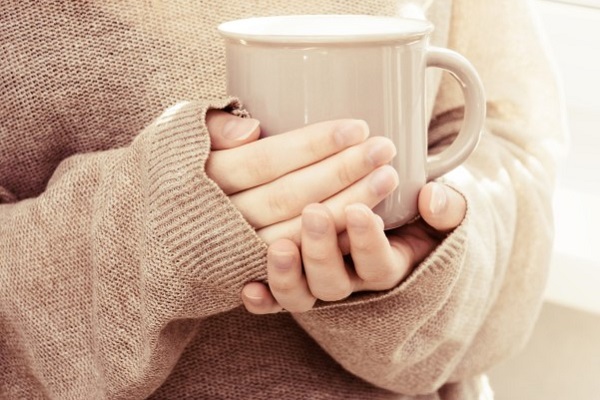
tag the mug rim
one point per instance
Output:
(245, 30)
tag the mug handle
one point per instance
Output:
(474, 115)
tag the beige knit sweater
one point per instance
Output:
(121, 263)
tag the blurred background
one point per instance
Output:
(562, 360)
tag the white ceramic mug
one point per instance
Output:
(290, 71)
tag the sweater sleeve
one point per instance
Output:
(474, 300)
(106, 275)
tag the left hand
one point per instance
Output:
(379, 260)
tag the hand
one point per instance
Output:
(297, 278)
(271, 180)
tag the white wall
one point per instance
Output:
(574, 37)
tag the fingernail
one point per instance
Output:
(253, 298)
(381, 152)
(357, 217)
(256, 301)
(351, 132)
(380, 222)
(239, 128)
(438, 200)
(384, 180)
(315, 222)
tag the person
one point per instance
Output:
(150, 244)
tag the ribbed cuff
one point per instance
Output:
(428, 286)
(198, 226)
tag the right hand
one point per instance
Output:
(271, 180)
(330, 267)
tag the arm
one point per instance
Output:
(474, 299)
(114, 263)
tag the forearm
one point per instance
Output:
(524, 233)
(436, 327)
(114, 264)
(475, 299)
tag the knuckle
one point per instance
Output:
(315, 148)
(363, 244)
(317, 256)
(283, 286)
(301, 306)
(260, 167)
(283, 202)
(323, 142)
(380, 275)
(339, 292)
(345, 174)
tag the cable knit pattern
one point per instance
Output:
(121, 262)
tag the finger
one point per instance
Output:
(369, 190)
(285, 198)
(265, 160)
(344, 243)
(375, 262)
(286, 279)
(442, 207)
(326, 273)
(344, 240)
(258, 299)
(410, 245)
(228, 131)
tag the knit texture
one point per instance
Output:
(121, 262)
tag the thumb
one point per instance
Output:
(441, 207)
(228, 131)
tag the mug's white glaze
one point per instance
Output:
(307, 29)
(297, 70)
